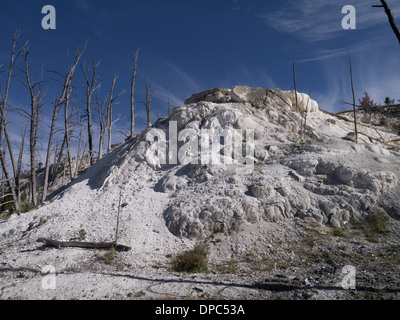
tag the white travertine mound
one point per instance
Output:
(301, 168)
(296, 169)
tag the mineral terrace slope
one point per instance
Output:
(303, 182)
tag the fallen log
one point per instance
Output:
(81, 244)
(391, 141)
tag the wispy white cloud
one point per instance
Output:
(241, 74)
(240, 5)
(337, 84)
(330, 54)
(164, 95)
(375, 63)
(325, 55)
(174, 100)
(173, 82)
(187, 80)
(379, 77)
(310, 20)
(314, 21)
(83, 4)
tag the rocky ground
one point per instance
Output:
(312, 203)
(298, 260)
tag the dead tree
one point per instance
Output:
(82, 244)
(56, 106)
(35, 94)
(354, 99)
(67, 129)
(390, 17)
(55, 166)
(109, 112)
(91, 86)
(135, 58)
(111, 103)
(105, 110)
(19, 164)
(295, 85)
(304, 130)
(102, 123)
(149, 98)
(78, 155)
(3, 128)
(169, 107)
(118, 214)
(58, 159)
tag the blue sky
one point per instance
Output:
(191, 46)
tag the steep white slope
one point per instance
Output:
(303, 168)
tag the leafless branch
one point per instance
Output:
(390, 17)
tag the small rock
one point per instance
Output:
(318, 217)
(335, 221)
(263, 191)
(246, 94)
(331, 121)
(296, 177)
(351, 136)
(273, 149)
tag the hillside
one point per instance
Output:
(282, 208)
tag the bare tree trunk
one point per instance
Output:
(390, 17)
(111, 103)
(9, 180)
(51, 136)
(33, 117)
(169, 107)
(2, 188)
(118, 213)
(132, 93)
(305, 117)
(57, 104)
(149, 98)
(33, 178)
(64, 166)
(354, 99)
(109, 114)
(33, 140)
(10, 148)
(19, 164)
(13, 163)
(67, 122)
(79, 151)
(295, 85)
(58, 158)
(102, 123)
(80, 160)
(90, 137)
(91, 87)
(101, 142)
(54, 167)
(3, 128)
